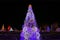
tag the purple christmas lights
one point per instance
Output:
(30, 30)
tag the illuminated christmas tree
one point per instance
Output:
(3, 29)
(10, 28)
(30, 30)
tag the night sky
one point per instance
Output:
(13, 13)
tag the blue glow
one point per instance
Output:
(30, 30)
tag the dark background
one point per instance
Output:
(13, 12)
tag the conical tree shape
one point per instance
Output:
(30, 30)
(30, 18)
(3, 29)
(11, 29)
